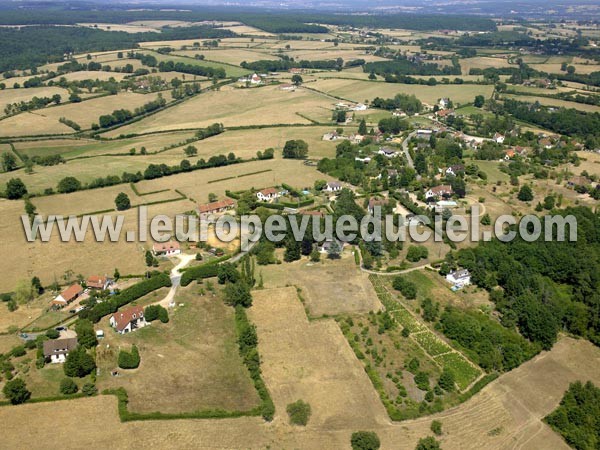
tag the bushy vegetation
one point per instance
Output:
(577, 419)
(365, 440)
(299, 412)
(16, 391)
(406, 287)
(154, 312)
(129, 360)
(68, 386)
(79, 363)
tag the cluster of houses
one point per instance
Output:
(352, 107)
(76, 291)
(253, 79)
(354, 138)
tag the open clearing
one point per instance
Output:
(190, 364)
(358, 91)
(328, 287)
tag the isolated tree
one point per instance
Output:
(525, 193)
(299, 412)
(292, 250)
(79, 363)
(436, 427)
(297, 79)
(190, 150)
(86, 335)
(365, 440)
(486, 219)
(362, 127)
(479, 101)
(334, 250)
(9, 162)
(122, 202)
(315, 256)
(129, 360)
(16, 391)
(15, 189)
(295, 149)
(68, 184)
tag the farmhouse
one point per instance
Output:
(443, 103)
(57, 350)
(68, 295)
(128, 320)
(545, 143)
(439, 191)
(268, 194)
(98, 282)
(459, 278)
(287, 87)
(332, 136)
(168, 248)
(424, 133)
(333, 186)
(216, 207)
(498, 138)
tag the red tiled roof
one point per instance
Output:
(96, 281)
(443, 189)
(215, 206)
(123, 318)
(71, 292)
(268, 191)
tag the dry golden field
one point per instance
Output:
(482, 62)
(328, 287)
(245, 29)
(34, 122)
(360, 90)
(8, 96)
(191, 363)
(237, 107)
(229, 56)
(555, 102)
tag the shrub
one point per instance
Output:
(436, 427)
(154, 312)
(428, 443)
(17, 351)
(406, 288)
(299, 412)
(129, 360)
(416, 253)
(16, 391)
(52, 334)
(365, 440)
(68, 386)
(89, 389)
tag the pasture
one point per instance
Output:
(8, 96)
(233, 56)
(554, 102)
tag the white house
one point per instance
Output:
(439, 191)
(498, 138)
(459, 278)
(360, 107)
(424, 133)
(128, 320)
(365, 160)
(333, 186)
(455, 169)
(169, 248)
(268, 194)
(57, 350)
(443, 103)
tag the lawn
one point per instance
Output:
(189, 364)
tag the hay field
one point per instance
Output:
(88, 112)
(311, 361)
(579, 68)
(19, 318)
(555, 102)
(245, 143)
(51, 259)
(328, 287)
(333, 53)
(360, 90)
(30, 123)
(507, 414)
(591, 163)
(196, 185)
(191, 363)
(245, 29)
(481, 62)
(233, 56)
(127, 28)
(92, 75)
(236, 107)
(72, 148)
(8, 96)
(231, 70)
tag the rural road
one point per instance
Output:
(409, 159)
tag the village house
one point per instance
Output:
(360, 107)
(169, 248)
(459, 278)
(443, 103)
(455, 170)
(333, 186)
(128, 320)
(365, 160)
(216, 207)
(268, 194)
(439, 191)
(98, 282)
(424, 133)
(332, 136)
(545, 143)
(498, 138)
(68, 295)
(57, 350)
(387, 152)
(296, 70)
(356, 138)
(374, 202)
(443, 113)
